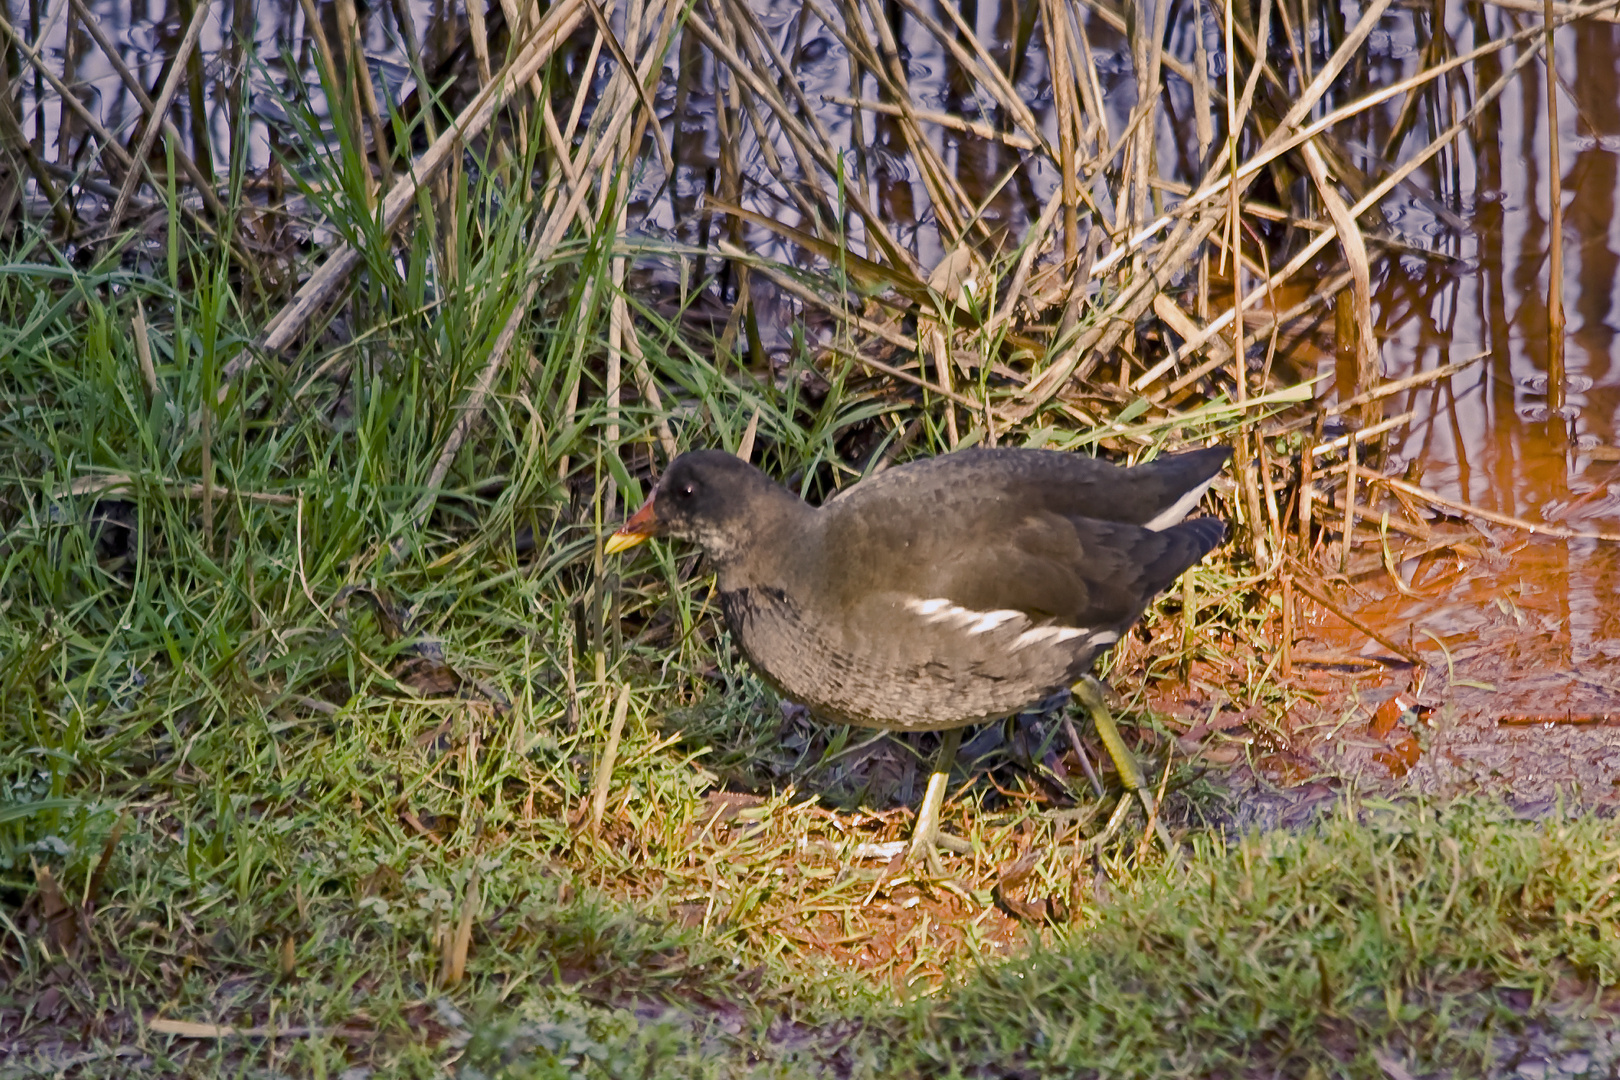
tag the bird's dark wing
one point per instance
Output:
(1066, 571)
(992, 482)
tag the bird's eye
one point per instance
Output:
(687, 490)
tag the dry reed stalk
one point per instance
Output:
(1562, 12)
(812, 201)
(1127, 306)
(328, 62)
(280, 331)
(1366, 434)
(1304, 257)
(1148, 90)
(15, 141)
(580, 95)
(1205, 337)
(72, 104)
(635, 85)
(562, 138)
(406, 24)
(1063, 101)
(1287, 643)
(143, 353)
(1034, 239)
(1349, 505)
(1354, 247)
(1233, 250)
(1171, 314)
(618, 320)
(1090, 86)
(1279, 141)
(833, 306)
(592, 161)
(360, 76)
(478, 34)
(648, 387)
(1115, 20)
(928, 116)
(1320, 596)
(598, 145)
(203, 184)
(165, 98)
(565, 175)
(978, 62)
(811, 144)
(1410, 382)
(518, 22)
(1278, 534)
(472, 407)
(1469, 510)
(1213, 191)
(1307, 491)
(1555, 228)
(745, 445)
(944, 191)
(457, 946)
(905, 376)
(201, 138)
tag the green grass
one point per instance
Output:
(1434, 939)
(264, 756)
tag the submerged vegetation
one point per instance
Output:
(328, 739)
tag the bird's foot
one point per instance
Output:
(926, 839)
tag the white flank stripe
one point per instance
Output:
(1182, 507)
(990, 620)
(938, 609)
(1056, 634)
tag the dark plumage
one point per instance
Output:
(950, 590)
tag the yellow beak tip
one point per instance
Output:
(621, 541)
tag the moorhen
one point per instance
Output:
(950, 590)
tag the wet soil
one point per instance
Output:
(1517, 694)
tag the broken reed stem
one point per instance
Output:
(1321, 598)
(1555, 233)
(618, 326)
(1307, 491)
(1084, 758)
(457, 946)
(1349, 506)
(1410, 382)
(1240, 375)
(1154, 826)
(143, 353)
(1558, 532)
(604, 768)
(1287, 643)
(1365, 434)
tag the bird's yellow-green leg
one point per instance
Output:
(1090, 695)
(1130, 774)
(925, 835)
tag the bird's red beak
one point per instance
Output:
(642, 525)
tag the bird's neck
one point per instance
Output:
(782, 531)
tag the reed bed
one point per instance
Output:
(312, 433)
